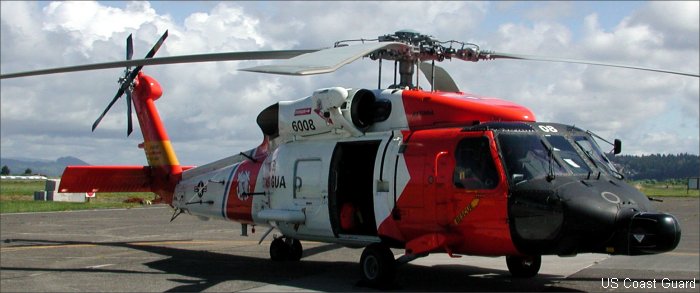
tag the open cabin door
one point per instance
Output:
(351, 204)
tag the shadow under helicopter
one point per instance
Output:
(212, 268)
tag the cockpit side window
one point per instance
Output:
(593, 152)
(475, 167)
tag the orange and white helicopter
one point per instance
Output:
(438, 171)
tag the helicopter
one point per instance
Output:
(426, 171)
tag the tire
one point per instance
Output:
(524, 267)
(377, 265)
(279, 251)
(295, 250)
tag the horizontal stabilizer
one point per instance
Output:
(106, 179)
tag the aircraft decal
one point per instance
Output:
(243, 189)
(317, 110)
(468, 209)
(200, 189)
(275, 182)
(302, 111)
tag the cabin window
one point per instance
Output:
(475, 168)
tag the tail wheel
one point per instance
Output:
(524, 266)
(378, 266)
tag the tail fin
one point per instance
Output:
(163, 171)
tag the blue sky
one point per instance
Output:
(209, 109)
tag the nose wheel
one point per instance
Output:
(524, 266)
(285, 249)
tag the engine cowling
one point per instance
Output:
(332, 110)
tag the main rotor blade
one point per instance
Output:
(120, 92)
(495, 55)
(325, 61)
(211, 57)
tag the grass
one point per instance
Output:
(662, 189)
(17, 196)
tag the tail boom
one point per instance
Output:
(163, 172)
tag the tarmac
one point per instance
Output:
(141, 250)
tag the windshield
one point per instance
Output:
(568, 154)
(595, 155)
(527, 157)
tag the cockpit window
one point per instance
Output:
(526, 157)
(475, 167)
(595, 155)
(568, 154)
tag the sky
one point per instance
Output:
(209, 109)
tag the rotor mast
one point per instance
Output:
(421, 48)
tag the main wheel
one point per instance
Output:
(295, 249)
(378, 265)
(279, 250)
(524, 267)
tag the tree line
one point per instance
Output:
(658, 166)
(6, 171)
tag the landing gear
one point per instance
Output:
(524, 266)
(377, 264)
(285, 249)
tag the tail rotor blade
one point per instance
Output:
(129, 47)
(127, 80)
(129, 127)
(157, 45)
(150, 54)
(120, 92)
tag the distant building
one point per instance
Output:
(29, 177)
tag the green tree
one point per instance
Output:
(28, 172)
(5, 170)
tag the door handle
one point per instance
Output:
(436, 174)
(297, 183)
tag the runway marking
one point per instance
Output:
(684, 253)
(99, 266)
(142, 243)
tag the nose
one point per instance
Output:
(597, 216)
(648, 233)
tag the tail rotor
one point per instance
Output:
(125, 82)
(129, 54)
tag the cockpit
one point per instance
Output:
(550, 150)
(532, 151)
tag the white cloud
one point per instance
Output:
(210, 108)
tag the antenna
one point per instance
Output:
(379, 81)
(432, 76)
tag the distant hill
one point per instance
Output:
(43, 167)
(658, 166)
